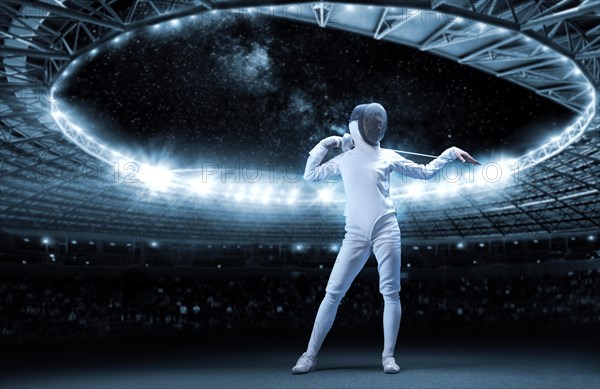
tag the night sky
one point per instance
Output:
(261, 89)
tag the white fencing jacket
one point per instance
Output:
(365, 172)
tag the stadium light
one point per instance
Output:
(460, 245)
(46, 241)
(266, 196)
(292, 196)
(442, 190)
(202, 188)
(325, 195)
(239, 196)
(414, 190)
(157, 178)
(592, 238)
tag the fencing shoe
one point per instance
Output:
(389, 365)
(305, 364)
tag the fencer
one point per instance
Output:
(371, 221)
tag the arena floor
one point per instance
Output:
(344, 362)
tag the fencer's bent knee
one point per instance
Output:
(390, 293)
(333, 297)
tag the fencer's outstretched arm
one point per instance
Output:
(425, 172)
(315, 170)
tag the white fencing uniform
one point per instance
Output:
(370, 224)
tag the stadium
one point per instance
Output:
(127, 264)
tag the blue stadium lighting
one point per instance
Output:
(415, 248)
(46, 241)
(291, 199)
(154, 244)
(73, 242)
(460, 245)
(239, 196)
(202, 187)
(442, 190)
(333, 248)
(591, 238)
(299, 247)
(414, 190)
(91, 243)
(25, 239)
(266, 196)
(481, 244)
(176, 179)
(515, 242)
(157, 178)
(325, 195)
(408, 264)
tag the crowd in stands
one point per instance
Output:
(52, 309)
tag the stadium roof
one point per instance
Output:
(54, 177)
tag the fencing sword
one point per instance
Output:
(411, 153)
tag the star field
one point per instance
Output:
(255, 89)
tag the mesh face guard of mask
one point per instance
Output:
(372, 122)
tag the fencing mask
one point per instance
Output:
(372, 122)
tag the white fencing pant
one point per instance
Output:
(354, 253)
